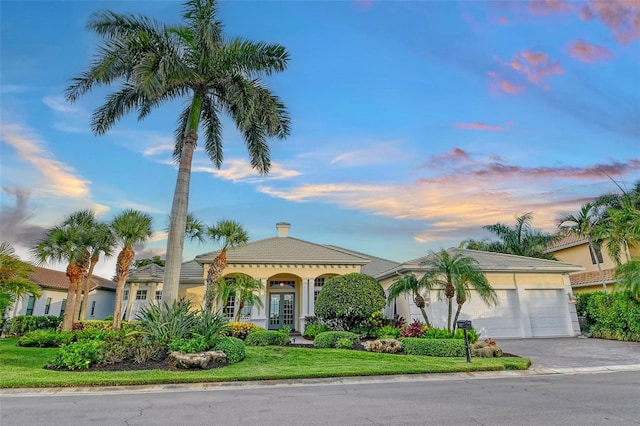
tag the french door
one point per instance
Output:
(282, 310)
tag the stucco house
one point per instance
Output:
(52, 301)
(534, 294)
(573, 249)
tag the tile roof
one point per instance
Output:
(490, 262)
(190, 273)
(58, 280)
(376, 266)
(286, 250)
(592, 277)
(568, 240)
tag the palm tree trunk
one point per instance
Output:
(125, 257)
(74, 272)
(86, 284)
(79, 300)
(239, 310)
(455, 319)
(449, 292)
(593, 253)
(213, 274)
(180, 206)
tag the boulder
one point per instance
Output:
(196, 360)
(387, 346)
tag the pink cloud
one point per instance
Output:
(364, 4)
(498, 84)
(547, 7)
(621, 16)
(503, 20)
(537, 66)
(588, 52)
(479, 126)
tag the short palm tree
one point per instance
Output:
(584, 226)
(628, 278)
(620, 222)
(409, 284)
(455, 273)
(155, 64)
(102, 245)
(228, 234)
(14, 279)
(247, 291)
(129, 227)
(69, 242)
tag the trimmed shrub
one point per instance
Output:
(240, 330)
(329, 339)
(433, 347)
(95, 324)
(46, 338)
(349, 300)
(233, 348)
(189, 346)
(23, 324)
(344, 343)
(473, 335)
(78, 355)
(387, 346)
(311, 331)
(388, 331)
(267, 338)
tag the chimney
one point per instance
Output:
(283, 229)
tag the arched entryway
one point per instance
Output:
(282, 301)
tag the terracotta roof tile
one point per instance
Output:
(49, 278)
(592, 277)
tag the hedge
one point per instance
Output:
(23, 324)
(611, 316)
(267, 338)
(433, 347)
(329, 339)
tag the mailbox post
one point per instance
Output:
(466, 326)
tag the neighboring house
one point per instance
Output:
(535, 298)
(576, 250)
(52, 301)
(534, 293)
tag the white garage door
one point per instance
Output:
(501, 321)
(547, 313)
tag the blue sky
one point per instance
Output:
(413, 123)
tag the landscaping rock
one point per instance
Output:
(387, 346)
(486, 350)
(196, 360)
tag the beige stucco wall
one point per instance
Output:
(579, 255)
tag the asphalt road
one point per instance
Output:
(584, 399)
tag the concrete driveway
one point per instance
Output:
(573, 352)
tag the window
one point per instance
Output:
(246, 310)
(598, 255)
(141, 295)
(229, 307)
(93, 307)
(158, 295)
(317, 286)
(63, 307)
(125, 295)
(47, 306)
(30, 303)
(282, 284)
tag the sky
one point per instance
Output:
(414, 124)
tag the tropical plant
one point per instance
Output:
(228, 234)
(584, 225)
(157, 63)
(520, 240)
(102, 243)
(163, 323)
(14, 279)
(619, 225)
(454, 273)
(69, 242)
(415, 329)
(129, 227)
(349, 299)
(409, 284)
(628, 278)
(247, 292)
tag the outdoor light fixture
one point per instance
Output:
(281, 284)
(466, 326)
(572, 299)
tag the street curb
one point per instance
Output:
(359, 380)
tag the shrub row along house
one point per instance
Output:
(534, 295)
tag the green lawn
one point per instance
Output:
(22, 367)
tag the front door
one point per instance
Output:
(281, 310)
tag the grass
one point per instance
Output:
(23, 367)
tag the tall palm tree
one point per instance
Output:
(155, 63)
(246, 292)
(454, 273)
(620, 222)
(628, 278)
(228, 234)
(102, 245)
(14, 279)
(129, 227)
(584, 225)
(68, 242)
(409, 284)
(521, 239)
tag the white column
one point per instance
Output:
(304, 296)
(312, 301)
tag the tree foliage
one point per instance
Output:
(348, 300)
(14, 278)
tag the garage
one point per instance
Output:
(547, 312)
